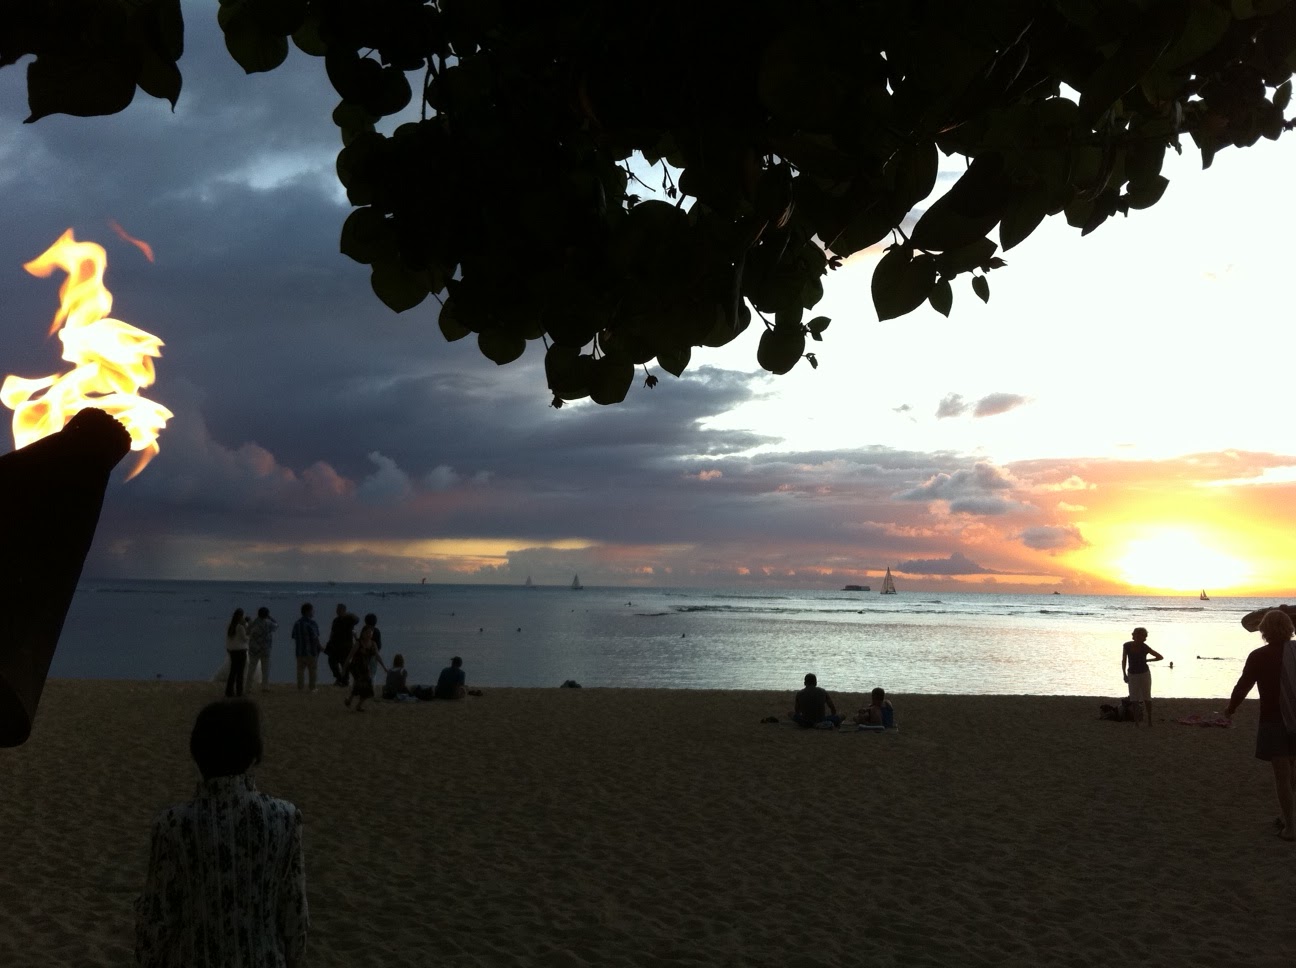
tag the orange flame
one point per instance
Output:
(111, 360)
(127, 237)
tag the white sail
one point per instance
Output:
(888, 583)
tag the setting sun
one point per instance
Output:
(1179, 560)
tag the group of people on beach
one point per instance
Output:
(217, 860)
(813, 708)
(354, 657)
(1270, 668)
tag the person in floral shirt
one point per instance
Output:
(226, 886)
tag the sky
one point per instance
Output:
(1114, 420)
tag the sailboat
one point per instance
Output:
(576, 585)
(888, 583)
(528, 583)
(1204, 596)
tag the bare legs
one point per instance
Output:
(1284, 769)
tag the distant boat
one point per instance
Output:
(856, 588)
(576, 585)
(888, 584)
(1204, 596)
(528, 583)
(423, 582)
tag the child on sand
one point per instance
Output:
(397, 684)
(880, 713)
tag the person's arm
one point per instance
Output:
(831, 705)
(1124, 659)
(294, 915)
(1244, 684)
(1153, 655)
(350, 655)
(152, 916)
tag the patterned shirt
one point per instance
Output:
(226, 887)
(261, 635)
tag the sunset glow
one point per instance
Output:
(1179, 560)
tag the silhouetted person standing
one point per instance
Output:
(306, 645)
(341, 638)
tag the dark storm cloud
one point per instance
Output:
(955, 564)
(1053, 538)
(978, 480)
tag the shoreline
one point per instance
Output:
(646, 827)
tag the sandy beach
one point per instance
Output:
(648, 827)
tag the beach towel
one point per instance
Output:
(1214, 719)
(1287, 686)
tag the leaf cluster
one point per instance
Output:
(786, 135)
(92, 55)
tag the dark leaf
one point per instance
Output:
(1147, 192)
(675, 361)
(451, 328)
(77, 86)
(397, 286)
(780, 349)
(499, 346)
(942, 297)
(611, 379)
(971, 256)
(981, 286)
(159, 78)
(1019, 222)
(368, 238)
(901, 284)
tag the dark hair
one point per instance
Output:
(1141, 629)
(811, 679)
(456, 661)
(371, 619)
(878, 693)
(235, 619)
(398, 661)
(307, 608)
(263, 612)
(226, 738)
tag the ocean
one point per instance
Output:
(911, 642)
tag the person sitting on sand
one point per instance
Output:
(1272, 667)
(226, 884)
(1135, 657)
(397, 683)
(450, 684)
(879, 713)
(814, 706)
